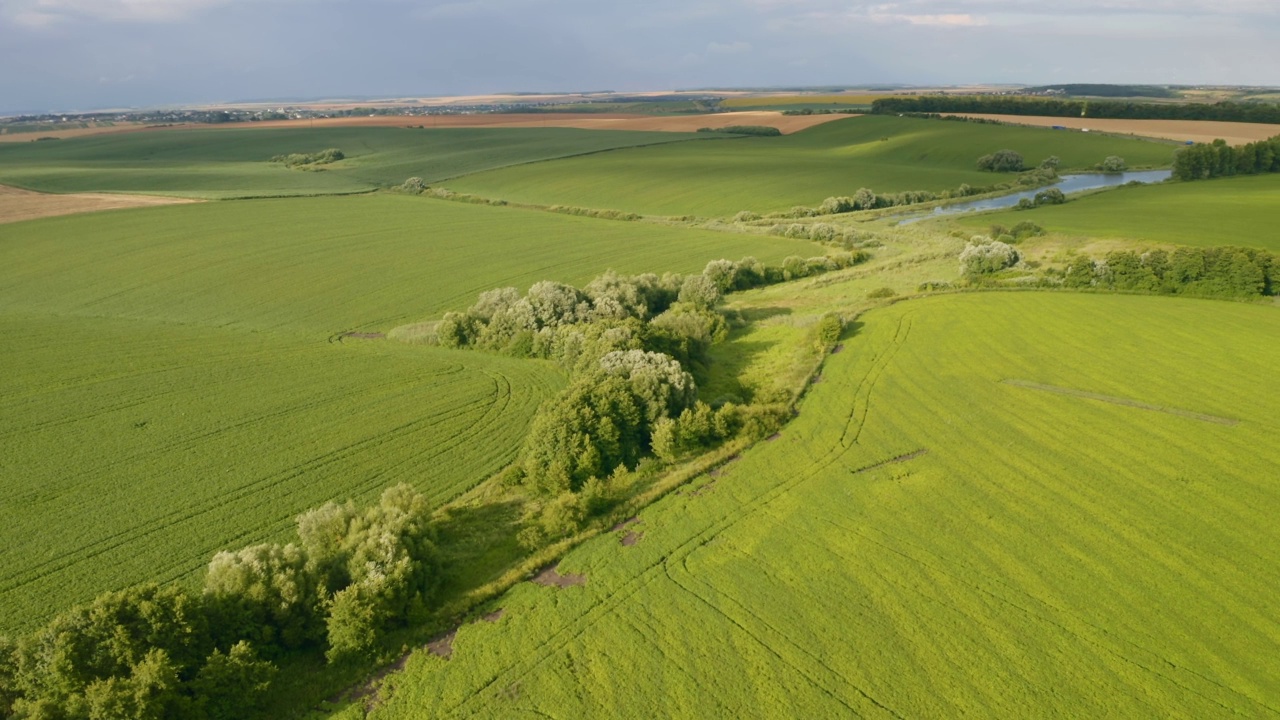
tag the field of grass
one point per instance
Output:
(323, 265)
(886, 154)
(1238, 211)
(174, 384)
(930, 539)
(235, 162)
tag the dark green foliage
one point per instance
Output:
(1209, 272)
(230, 684)
(1050, 196)
(1113, 164)
(265, 594)
(829, 330)
(1218, 159)
(594, 426)
(1006, 105)
(323, 157)
(755, 130)
(879, 293)
(1002, 161)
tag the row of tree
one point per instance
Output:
(631, 345)
(1203, 161)
(1209, 272)
(1009, 105)
(170, 652)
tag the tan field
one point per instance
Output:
(17, 204)
(603, 121)
(1235, 133)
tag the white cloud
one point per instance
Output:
(732, 48)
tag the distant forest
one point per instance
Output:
(1113, 91)
(1005, 105)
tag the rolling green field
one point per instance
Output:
(324, 265)
(1238, 211)
(950, 527)
(223, 163)
(174, 384)
(886, 154)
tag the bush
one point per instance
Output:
(828, 331)
(1050, 196)
(746, 216)
(983, 256)
(1001, 161)
(884, 292)
(1113, 164)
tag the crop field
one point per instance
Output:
(1001, 505)
(886, 154)
(1239, 211)
(216, 163)
(176, 381)
(809, 100)
(17, 205)
(151, 446)
(319, 266)
(1205, 131)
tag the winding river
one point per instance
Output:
(1067, 184)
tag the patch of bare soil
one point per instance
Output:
(494, 616)
(837, 348)
(551, 577)
(775, 436)
(17, 205)
(632, 538)
(443, 646)
(1235, 133)
(625, 524)
(891, 461)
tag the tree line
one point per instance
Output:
(1207, 272)
(1006, 105)
(1218, 159)
(165, 651)
(632, 346)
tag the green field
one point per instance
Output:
(1238, 211)
(928, 539)
(886, 154)
(235, 162)
(173, 385)
(325, 265)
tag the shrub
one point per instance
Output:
(983, 256)
(828, 331)
(884, 292)
(746, 216)
(1050, 196)
(1001, 161)
(1113, 164)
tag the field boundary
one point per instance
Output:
(1126, 402)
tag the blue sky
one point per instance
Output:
(85, 54)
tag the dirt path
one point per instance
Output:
(17, 204)
(1235, 133)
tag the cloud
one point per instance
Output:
(943, 20)
(733, 48)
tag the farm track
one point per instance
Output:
(576, 627)
(920, 586)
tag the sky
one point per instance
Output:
(67, 55)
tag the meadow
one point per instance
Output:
(235, 162)
(1239, 211)
(886, 154)
(177, 382)
(990, 504)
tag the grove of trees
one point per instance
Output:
(1218, 159)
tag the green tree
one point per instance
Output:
(231, 684)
